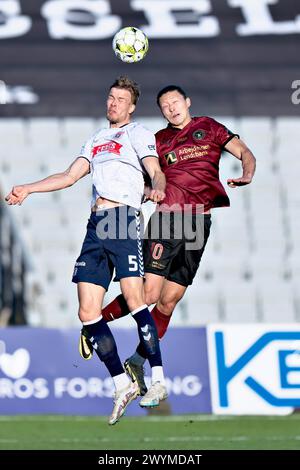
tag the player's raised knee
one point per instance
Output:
(88, 313)
(151, 295)
(134, 300)
(168, 306)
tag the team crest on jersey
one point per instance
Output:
(118, 134)
(170, 158)
(199, 134)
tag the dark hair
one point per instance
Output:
(127, 84)
(168, 88)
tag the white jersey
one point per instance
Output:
(115, 155)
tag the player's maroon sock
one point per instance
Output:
(116, 309)
(161, 322)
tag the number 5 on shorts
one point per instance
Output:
(132, 261)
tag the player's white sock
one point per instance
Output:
(92, 322)
(157, 375)
(121, 381)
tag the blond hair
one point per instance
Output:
(126, 83)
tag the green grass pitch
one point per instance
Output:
(184, 432)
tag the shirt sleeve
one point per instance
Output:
(222, 134)
(86, 150)
(143, 142)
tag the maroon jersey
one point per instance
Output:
(189, 158)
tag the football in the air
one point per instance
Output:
(130, 44)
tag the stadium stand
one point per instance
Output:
(250, 269)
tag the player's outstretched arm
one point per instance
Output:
(157, 193)
(240, 150)
(78, 169)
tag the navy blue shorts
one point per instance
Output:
(112, 241)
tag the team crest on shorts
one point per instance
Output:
(199, 134)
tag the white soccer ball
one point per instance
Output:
(130, 44)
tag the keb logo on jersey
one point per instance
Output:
(111, 147)
(170, 158)
(254, 369)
